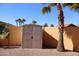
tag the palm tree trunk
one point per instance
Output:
(19, 23)
(16, 23)
(60, 46)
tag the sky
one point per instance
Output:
(9, 12)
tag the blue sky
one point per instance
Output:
(9, 12)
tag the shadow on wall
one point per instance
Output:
(48, 41)
(3, 42)
(73, 33)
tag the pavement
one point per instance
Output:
(34, 52)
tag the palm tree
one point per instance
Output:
(34, 22)
(45, 25)
(22, 21)
(47, 9)
(18, 22)
(52, 25)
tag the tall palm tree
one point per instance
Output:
(18, 22)
(46, 9)
(45, 25)
(52, 25)
(34, 22)
(22, 21)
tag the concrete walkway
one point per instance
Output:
(35, 52)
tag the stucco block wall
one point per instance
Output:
(50, 36)
(14, 38)
(4, 42)
(71, 37)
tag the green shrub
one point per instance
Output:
(3, 32)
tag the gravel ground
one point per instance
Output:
(35, 52)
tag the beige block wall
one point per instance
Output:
(4, 42)
(15, 36)
(50, 37)
(71, 37)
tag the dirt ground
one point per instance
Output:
(34, 52)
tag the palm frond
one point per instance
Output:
(72, 6)
(75, 7)
(47, 7)
(46, 10)
(53, 4)
(67, 4)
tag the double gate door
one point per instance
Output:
(32, 36)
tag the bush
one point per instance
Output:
(3, 32)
